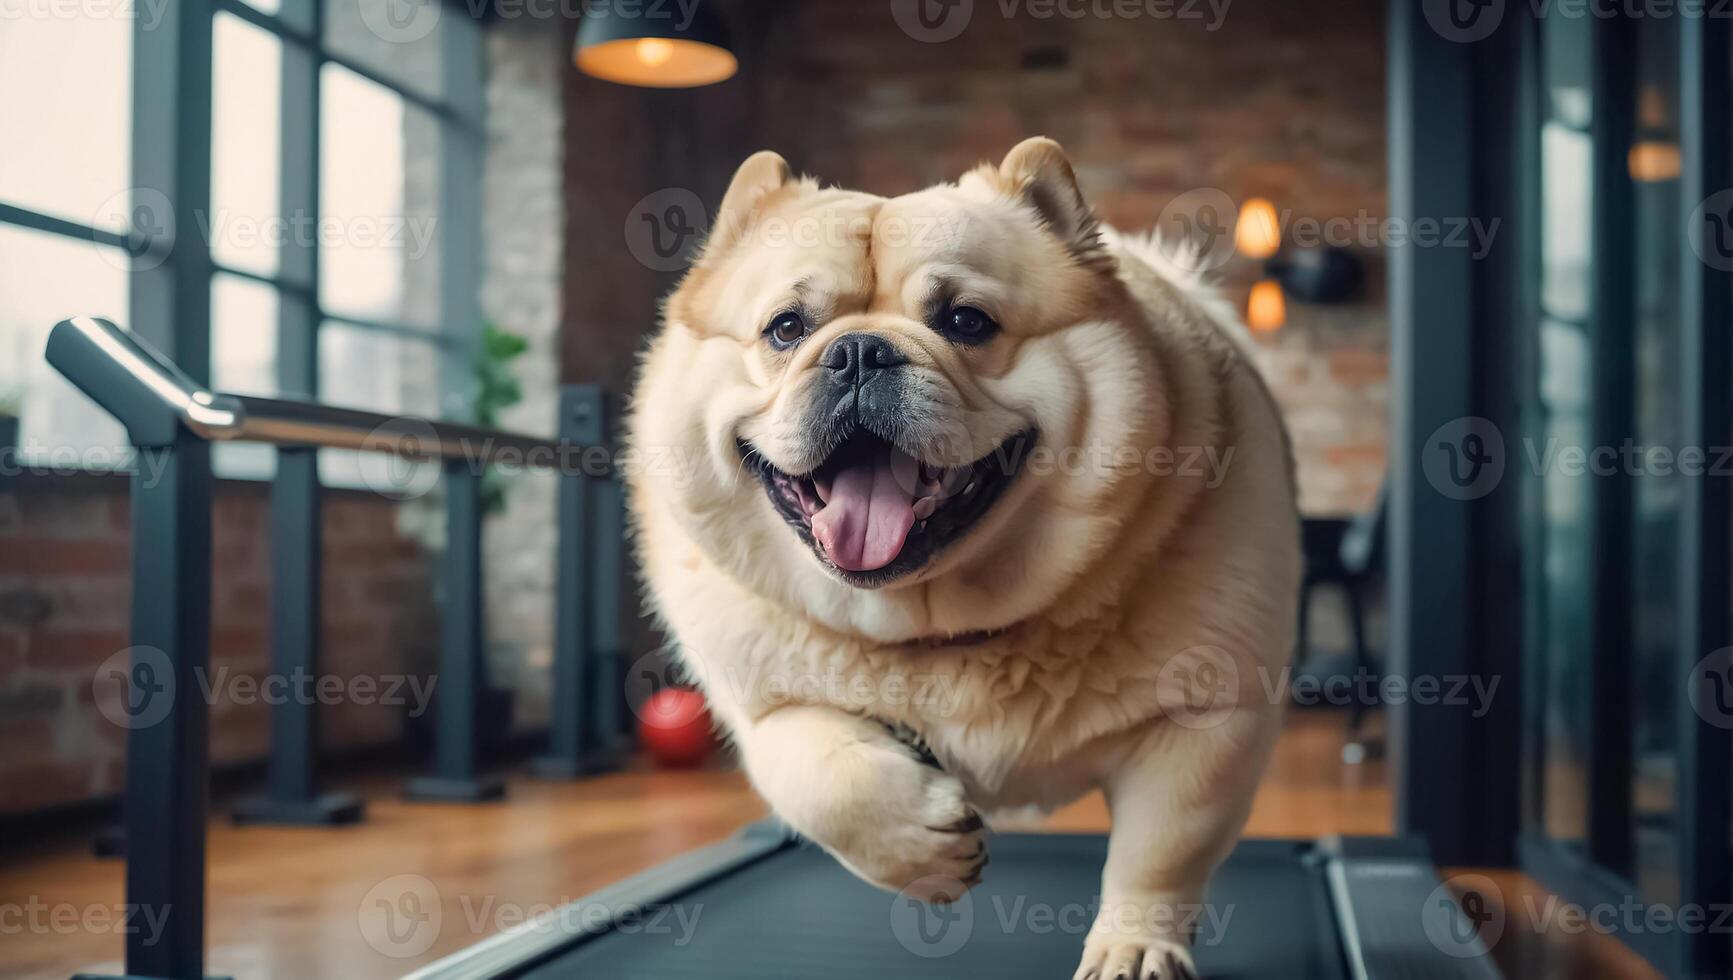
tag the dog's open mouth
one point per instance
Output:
(874, 513)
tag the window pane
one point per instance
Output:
(246, 86)
(1567, 208)
(244, 360)
(379, 372)
(379, 190)
(44, 279)
(1559, 529)
(243, 335)
(1659, 406)
(66, 99)
(398, 39)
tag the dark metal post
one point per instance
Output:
(292, 793)
(609, 638)
(462, 677)
(569, 739)
(1440, 301)
(168, 747)
(1705, 571)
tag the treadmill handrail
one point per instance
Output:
(156, 401)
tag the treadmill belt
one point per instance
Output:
(796, 914)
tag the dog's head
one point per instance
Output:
(880, 396)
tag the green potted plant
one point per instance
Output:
(497, 389)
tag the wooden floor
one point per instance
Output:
(305, 904)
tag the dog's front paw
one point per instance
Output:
(894, 819)
(1122, 956)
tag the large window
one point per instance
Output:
(339, 234)
(65, 123)
(1622, 415)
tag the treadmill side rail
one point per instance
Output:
(1397, 919)
(562, 929)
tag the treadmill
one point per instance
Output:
(764, 905)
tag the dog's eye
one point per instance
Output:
(786, 329)
(967, 325)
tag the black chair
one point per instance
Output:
(1347, 553)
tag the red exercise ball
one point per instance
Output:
(675, 729)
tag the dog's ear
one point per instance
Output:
(762, 174)
(1037, 171)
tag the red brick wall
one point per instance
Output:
(65, 601)
(1283, 99)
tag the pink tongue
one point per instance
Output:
(864, 524)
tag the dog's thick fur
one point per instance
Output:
(1060, 644)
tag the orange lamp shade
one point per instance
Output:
(1267, 309)
(1258, 233)
(655, 51)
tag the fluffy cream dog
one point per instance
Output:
(959, 503)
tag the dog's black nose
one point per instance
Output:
(854, 358)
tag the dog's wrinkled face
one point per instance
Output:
(866, 382)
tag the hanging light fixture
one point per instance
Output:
(685, 48)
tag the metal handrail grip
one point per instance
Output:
(172, 420)
(151, 396)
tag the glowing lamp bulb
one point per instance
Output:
(1258, 233)
(1654, 161)
(654, 52)
(1266, 310)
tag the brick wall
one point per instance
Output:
(1278, 98)
(65, 593)
(522, 223)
